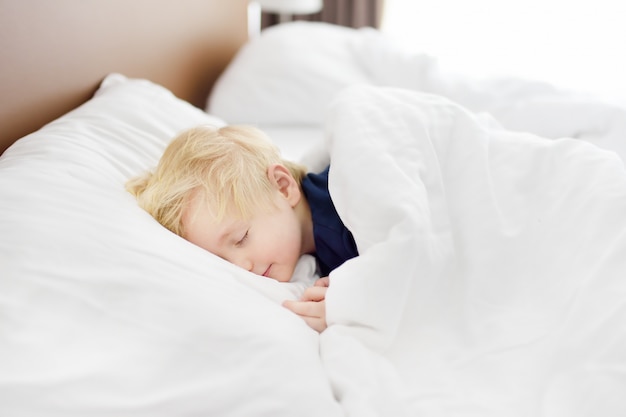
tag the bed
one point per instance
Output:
(491, 230)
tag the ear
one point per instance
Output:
(285, 183)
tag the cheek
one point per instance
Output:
(293, 239)
(285, 241)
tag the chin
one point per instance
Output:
(282, 272)
(282, 279)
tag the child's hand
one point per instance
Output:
(312, 307)
(322, 282)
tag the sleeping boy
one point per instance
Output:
(228, 191)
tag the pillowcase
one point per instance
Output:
(104, 312)
(289, 73)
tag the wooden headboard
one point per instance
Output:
(55, 53)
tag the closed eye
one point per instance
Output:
(243, 239)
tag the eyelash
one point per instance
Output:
(243, 239)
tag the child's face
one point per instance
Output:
(269, 244)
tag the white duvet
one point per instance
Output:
(491, 280)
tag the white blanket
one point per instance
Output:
(491, 279)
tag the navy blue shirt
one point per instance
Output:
(334, 243)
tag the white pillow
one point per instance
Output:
(104, 312)
(289, 74)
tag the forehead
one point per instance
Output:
(202, 202)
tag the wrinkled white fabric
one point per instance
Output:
(290, 74)
(491, 275)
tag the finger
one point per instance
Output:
(322, 282)
(312, 313)
(306, 308)
(314, 294)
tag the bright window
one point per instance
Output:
(571, 43)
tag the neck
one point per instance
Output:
(303, 211)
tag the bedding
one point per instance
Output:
(105, 313)
(291, 72)
(490, 279)
(491, 229)
(296, 143)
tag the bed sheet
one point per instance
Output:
(297, 142)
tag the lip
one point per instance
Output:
(267, 271)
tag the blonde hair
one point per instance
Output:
(227, 165)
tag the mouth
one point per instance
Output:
(267, 271)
